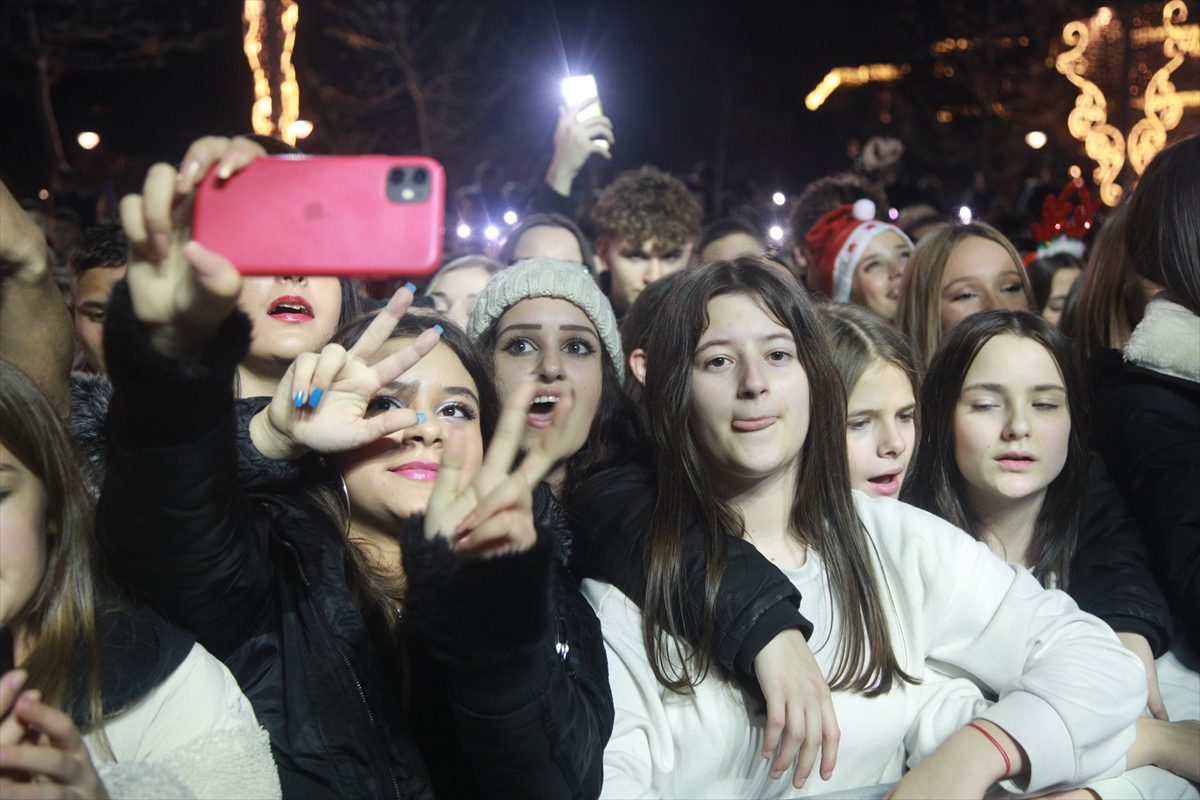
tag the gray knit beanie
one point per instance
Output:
(545, 277)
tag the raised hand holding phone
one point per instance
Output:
(582, 130)
(179, 288)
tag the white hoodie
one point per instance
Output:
(1068, 691)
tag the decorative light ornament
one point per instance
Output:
(852, 76)
(255, 45)
(1163, 105)
(1036, 139)
(88, 140)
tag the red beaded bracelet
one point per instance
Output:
(992, 739)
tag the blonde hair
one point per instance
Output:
(919, 316)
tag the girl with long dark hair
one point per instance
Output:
(748, 417)
(1004, 456)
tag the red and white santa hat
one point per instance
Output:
(836, 242)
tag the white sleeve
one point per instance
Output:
(1069, 693)
(1145, 783)
(943, 705)
(198, 726)
(641, 752)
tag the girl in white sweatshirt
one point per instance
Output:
(748, 416)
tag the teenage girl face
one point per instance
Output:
(880, 429)
(291, 314)
(980, 275)
(22, 536)
(454, 292)
(554, 342)
(550, 241)
(392, 478)
(1012, 423)
(879, 272)
(1060, 287)
(750, 395)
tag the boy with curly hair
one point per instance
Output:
(646, 224)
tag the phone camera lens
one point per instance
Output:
(420, 176)
(396, 175)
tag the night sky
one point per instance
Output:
(676, 79)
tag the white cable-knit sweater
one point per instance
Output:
(1068, 691)
(192, 736)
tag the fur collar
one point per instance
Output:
(1167, 340)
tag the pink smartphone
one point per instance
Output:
(355, 216)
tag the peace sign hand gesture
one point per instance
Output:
(491, 513)
(322, 402)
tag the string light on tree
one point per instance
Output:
(88, 140)
(260, 38)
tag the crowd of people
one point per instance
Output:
(633, 504)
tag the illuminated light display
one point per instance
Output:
(1163, 106)
(852, 76)
(255, 45)
(1088, 121)
(1161, 103)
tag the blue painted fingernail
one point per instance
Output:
(299, 399)
(316, 397)
(420, 417)
(412, 287)
(439, 329)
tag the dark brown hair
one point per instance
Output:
(822, 506)
(935, 482)
(1113, 298)
(1163, 235)
(644, 204)
(61, 615)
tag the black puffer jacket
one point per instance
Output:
(506, 672)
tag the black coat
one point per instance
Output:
(610, 515)
(1148, 429)
(504, 691)
(1111, 575)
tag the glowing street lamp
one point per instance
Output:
(88, 140)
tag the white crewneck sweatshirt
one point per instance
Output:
(1068, 691)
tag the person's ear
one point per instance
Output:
(637, 365)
